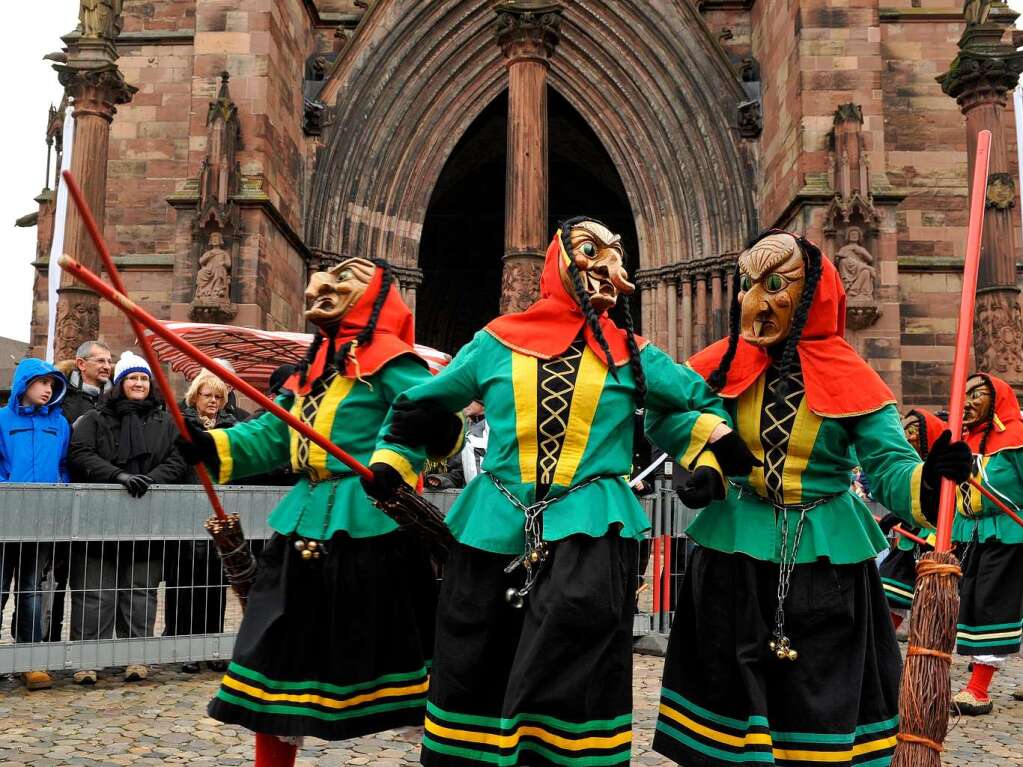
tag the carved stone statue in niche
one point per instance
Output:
(855, 266)
(977, 11)
(100, 19)
(213, 282)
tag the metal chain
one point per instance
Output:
(781, 644)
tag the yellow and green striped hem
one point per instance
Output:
(501, 740)
(399, 463)
(752, 741)
(996, 639)
(898, 593)
(261, 694)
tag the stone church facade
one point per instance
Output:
(252, 141)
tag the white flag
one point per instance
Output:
(57, 246)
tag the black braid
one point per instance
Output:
(921, 424)
(302, 368)
(635, 363)
(365, 336)
(991, 420)
(592, 320)
(789, 366)
(719, 377)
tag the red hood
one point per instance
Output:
(1007, 430)
(839, 383)
(933, 426)
(393, 336)
(550, 325)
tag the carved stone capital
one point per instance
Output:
(528, 29)
(985, 69)
(520, 283)
(408, 276)
(95, 91)
(217, 312)
(77, 321)
(998, 333)
(861, 316)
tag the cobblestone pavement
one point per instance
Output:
(160, 721)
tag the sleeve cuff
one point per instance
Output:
(459, 441)
(699, 437)
(706, 458)
(223, 443)
(399, 463)
(915, 488)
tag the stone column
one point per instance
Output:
(672, 299)
(716, 305)
(94, 86)
(527, 32)
(981, 78)
(700, 310)
(687, 317)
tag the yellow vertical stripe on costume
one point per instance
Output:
(589, 385)
(528, 731)
(323, 422)
(804, 435)
(524, 387)
(296, 410)
(915, 487)
(747, 416)
(223, 444)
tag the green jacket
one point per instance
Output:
(818, 465)
(598, 434)
(328, 498)
(1002, 472)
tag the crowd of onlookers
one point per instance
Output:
(97, 420)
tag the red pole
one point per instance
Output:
(997, 502)
(147, 320)
(656, 543)
(147, 348)
(964, 335)
(666, 599)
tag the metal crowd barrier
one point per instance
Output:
(150, 561)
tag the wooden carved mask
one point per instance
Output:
(979, 404)
(331, 294)
(771, 279)
(598, 255)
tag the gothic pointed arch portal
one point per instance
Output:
(648, 79)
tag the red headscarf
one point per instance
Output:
(550, 325)
(1007, 429)
(933, 426)
(393, 336)
(839, 383)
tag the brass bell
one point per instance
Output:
(312, 545)
(307, 554)
(773, 645)
(316, 555)
(299, 545)
(534, 556)
(792, 655)
(513, 598)
(781, 653)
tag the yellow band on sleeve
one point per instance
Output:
(699, 437)
(223, 443)
(399, 463)
(915, 488)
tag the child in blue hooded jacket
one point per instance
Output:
(34, 438)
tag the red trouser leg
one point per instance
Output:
(980, 680)
(896, 620)
(274, 752)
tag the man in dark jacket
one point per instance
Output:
(33, 446)
(91, 377)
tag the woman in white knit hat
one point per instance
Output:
(129, 440)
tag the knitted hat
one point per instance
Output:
(130, 363)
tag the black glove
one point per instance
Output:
(137, 485)
(947, 460)
(735, 458)
(887, 522)
(385, 483)
(704, 486)
(424, 424)
(201, 449)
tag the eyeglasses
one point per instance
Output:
(100, 360)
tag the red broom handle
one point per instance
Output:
(997, 502)
(964, 334)
(147, 348)
(139, 314)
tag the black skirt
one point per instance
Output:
(547, 684)
(898, 577)
(990, 599)
(728, 699)
(336, 647)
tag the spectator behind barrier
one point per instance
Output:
(91, 377)
(127, 439)
(196, 590)
(33, 448)
(462, 467)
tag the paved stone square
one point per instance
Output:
(161, 721)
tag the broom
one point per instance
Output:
(926, 693)
(224, 528)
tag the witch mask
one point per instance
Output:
(598, 255)
(771, 278)
(331, 294)
(979, 404)
(911, 425)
